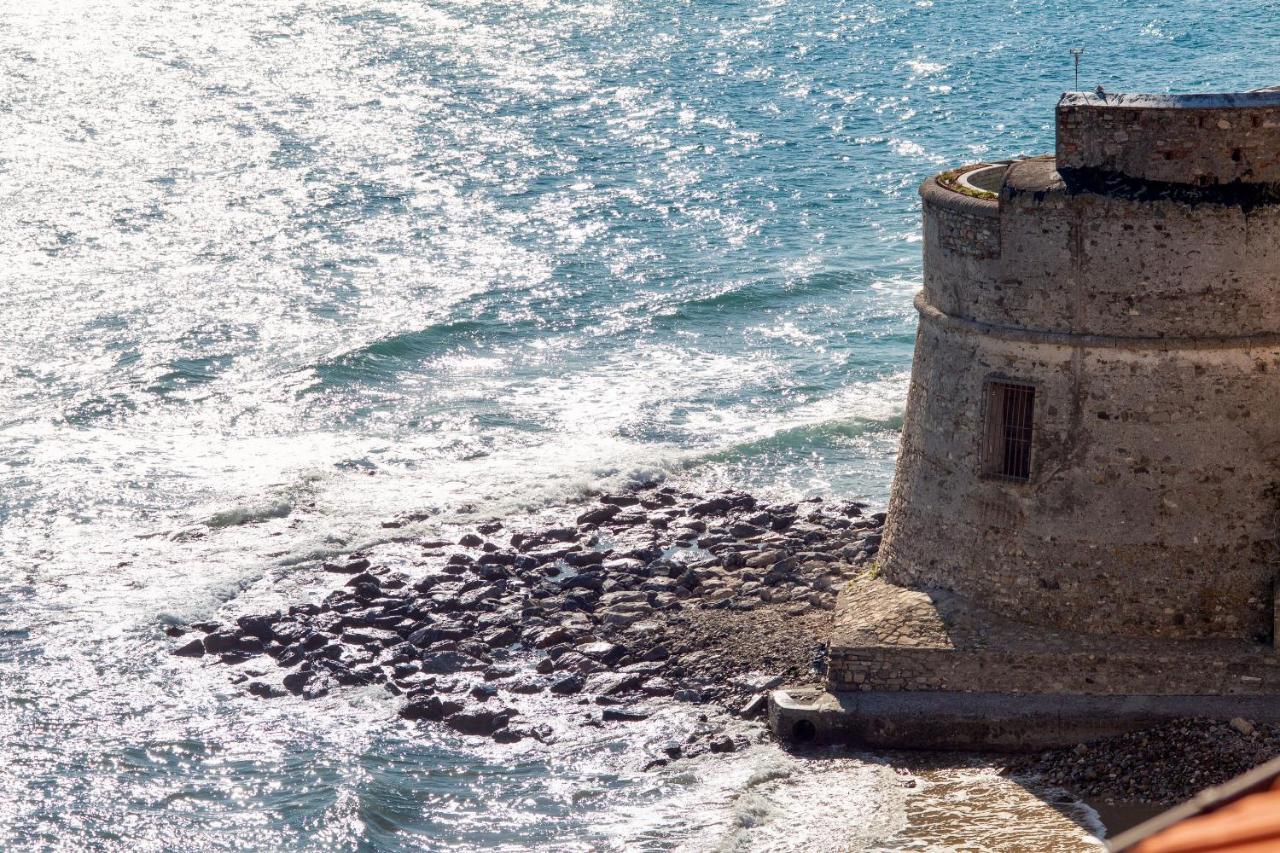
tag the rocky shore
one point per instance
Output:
(1164, 765)
(653, 592)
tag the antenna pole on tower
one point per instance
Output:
(1075, 54)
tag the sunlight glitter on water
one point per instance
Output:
(279, 273)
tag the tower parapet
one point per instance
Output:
(1199, 140)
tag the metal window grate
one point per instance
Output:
(1010, 413)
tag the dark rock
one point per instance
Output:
(483, 691)
(442, 663)
(723, 743)
(567, 684)
(353, 567)
(714, 506)
(508, 735)
(222, 640)
(602, 651)
(266, 690)
(489, 527)
(526, 685)
(193, 649)
(471, 540)
(599, 514)
(673, 750)
(549, 637)
(259, 626)
(612, 683)
(429, 708)
(295, 681)
(545, 666)
(479, 720)
(501, 637)
(623, 715)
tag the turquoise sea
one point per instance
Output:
(275, 273)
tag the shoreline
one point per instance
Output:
(649, 594)
(646, 594)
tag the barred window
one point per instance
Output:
(1007, 445)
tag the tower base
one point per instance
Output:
(927, 669)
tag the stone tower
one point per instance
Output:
(1086, 513)
(1093, 429)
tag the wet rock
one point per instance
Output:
(222, 640)
(431, 708)
(192, 649)
(266, 690)
(612, 683)
(713, 506)
(549, 637)
(599, 515)
(723, 743)
(483, 691)
(489, 527)
(526, 685)
(508, 735)
(443, 663)
(623, 715)
(756, 682)
(567, 685)
(471, 540)
(504, 636)
(479, 719)
(353, 567)
(600, 650)
(259, 626)
(581, 559)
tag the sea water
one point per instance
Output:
(276, 273)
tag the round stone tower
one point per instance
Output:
(1092, 439)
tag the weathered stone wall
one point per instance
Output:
(892, 638)
(1149, 332)
(1201, 140)
(1090, 264)
(996, 671)
(1151, 506)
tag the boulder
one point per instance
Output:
(599, 514)
(612, 683)
(479, 719)
(567, 684)
(429, 708)
(193, 649)
(353, 567)
(441, 663)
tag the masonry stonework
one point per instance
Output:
(1084, 530)
(1148, 325)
